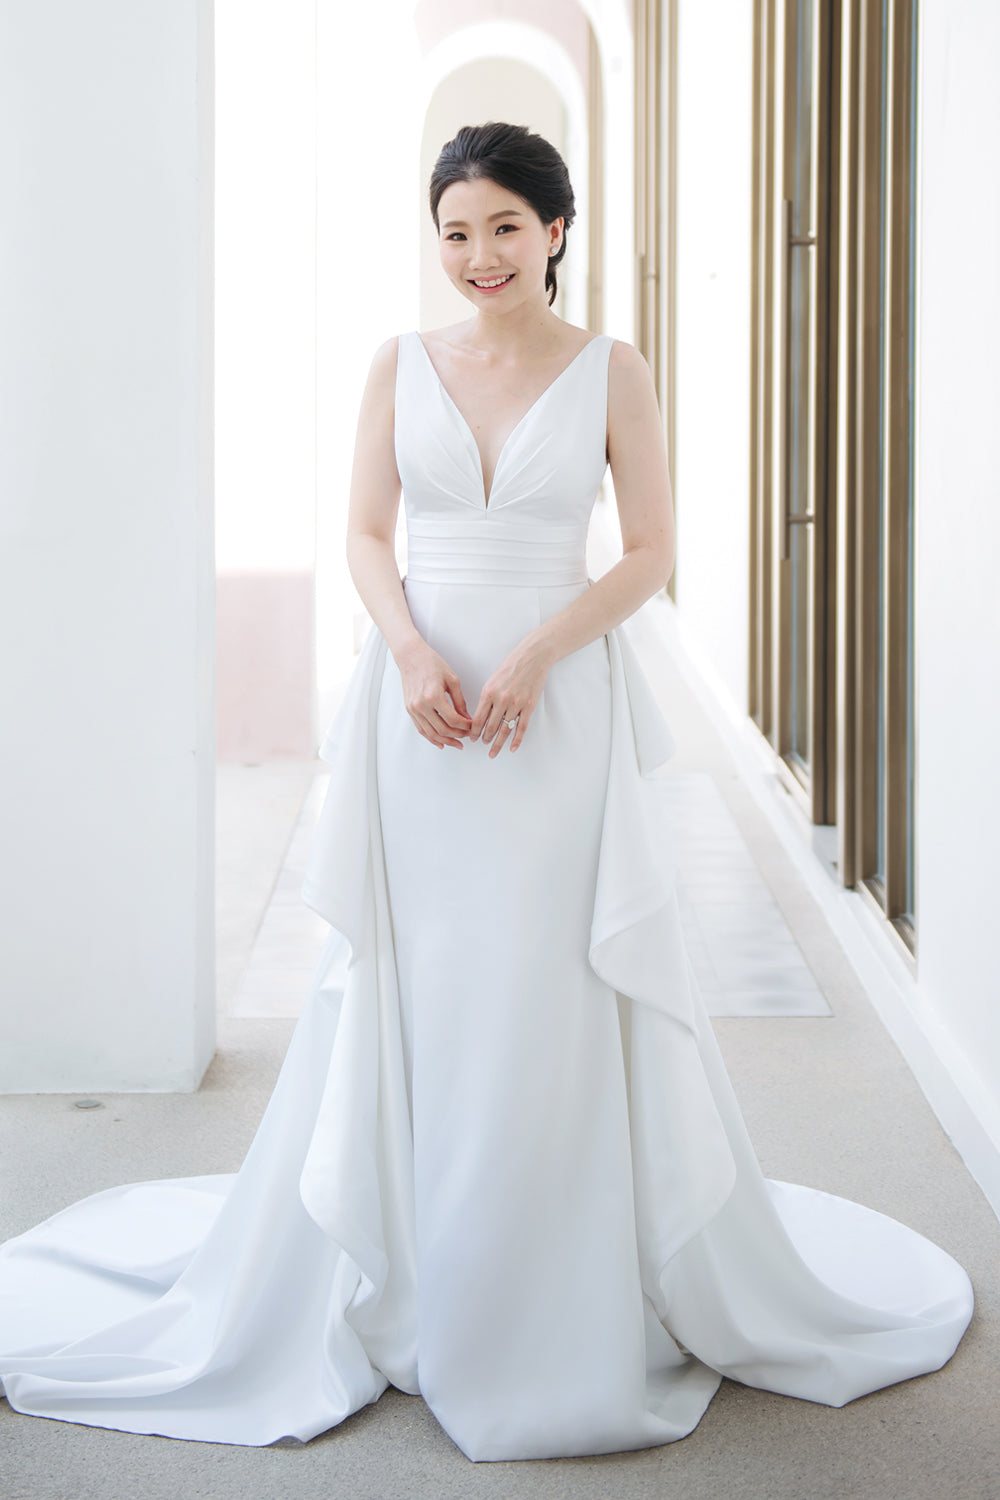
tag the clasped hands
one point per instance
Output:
(432, 694)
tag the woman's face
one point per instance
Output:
(494, 247)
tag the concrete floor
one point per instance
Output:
(828, 1101)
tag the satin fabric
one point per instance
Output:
(502, 1166)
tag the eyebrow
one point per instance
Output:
(505, 213)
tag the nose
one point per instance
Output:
(483, 255)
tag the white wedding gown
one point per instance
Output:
(502, 1166)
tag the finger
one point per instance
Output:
(436, 710)
(506, 729)
(492, 726)
(427, 731)
(522, 724)
(451, 715)
(500, 739)
(480, 716)
(442, 729)
(424, 732)
(457, 697)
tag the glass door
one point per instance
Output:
(832, 601)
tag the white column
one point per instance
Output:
(106, 559)
(958, 545)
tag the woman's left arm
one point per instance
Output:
(637, 454)
(638, 458)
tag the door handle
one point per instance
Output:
(786, 519)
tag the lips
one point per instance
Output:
(491, 283)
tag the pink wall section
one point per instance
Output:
(264, 665)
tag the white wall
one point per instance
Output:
(265, 359)
(711, 465)
(265, 292)
(958, 527)
(106, 586)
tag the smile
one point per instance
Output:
(490, 286)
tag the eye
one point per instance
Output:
(505, 226)
(456, 234)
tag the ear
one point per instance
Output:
(555, 234)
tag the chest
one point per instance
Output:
(532, 436)
(493, 399)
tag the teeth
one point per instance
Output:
(497, 280)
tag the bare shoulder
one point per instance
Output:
(384, 359)
(380, 387)
(626, 361)
(633, 408)
(631, 389)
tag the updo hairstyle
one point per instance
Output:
(516, 159)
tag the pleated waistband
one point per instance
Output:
(490, 550)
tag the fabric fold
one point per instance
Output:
(683, 1164)
(247, 1336)
(738, 1269)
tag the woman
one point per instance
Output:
(502, 1166)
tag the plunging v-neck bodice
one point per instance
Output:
(538, 402)
(558, 462)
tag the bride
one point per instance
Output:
(502, 1167)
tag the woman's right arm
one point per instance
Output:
(431, 690)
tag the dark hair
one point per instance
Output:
(518, 160)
